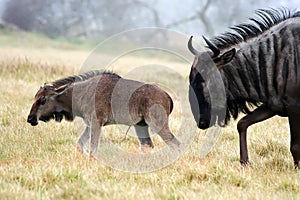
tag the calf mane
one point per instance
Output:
(82, 77)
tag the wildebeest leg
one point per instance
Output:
(166, 134)
(144, 137)
(294, 121)
(163, 130)
(259, 114)
(85, 136)
(95, 136)
(158, 120)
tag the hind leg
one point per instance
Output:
(144, 137)
(158, 120)
(161, 127)
(166, 134)
(294, 120)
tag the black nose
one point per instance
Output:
(203, 124)
(32, 120)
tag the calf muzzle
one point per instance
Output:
(32, 119)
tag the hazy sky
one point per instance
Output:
(174, 10)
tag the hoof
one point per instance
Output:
(92, 157)
(245, 163)
(79, 149)
(297, 165)
(145, 148)
(174, 144)
(176, 148)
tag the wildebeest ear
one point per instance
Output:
(226, 57)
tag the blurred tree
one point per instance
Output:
(80, 18)
(20, 14)
(94, 18)
(198, 15)
(212, 16)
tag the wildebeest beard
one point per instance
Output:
(57, 116)
(204, 113)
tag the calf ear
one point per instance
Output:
(226, 57)
(61, 89)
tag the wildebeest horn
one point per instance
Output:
(191, 48)
(212, 47)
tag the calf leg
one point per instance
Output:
(259, 114)
(95, 136)
(295, 138)
(163, 130)
(143, 136)
(168, 137)
(158, 120)
(85, 136)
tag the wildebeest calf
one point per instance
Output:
(102, 98)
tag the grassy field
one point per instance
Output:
(41, 162)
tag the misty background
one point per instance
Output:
(94, 19)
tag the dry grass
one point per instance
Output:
(41, 162)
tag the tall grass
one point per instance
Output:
(41, 162)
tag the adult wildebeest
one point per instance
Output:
(260, 65)
(103, 98)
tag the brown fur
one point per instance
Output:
(103, 98)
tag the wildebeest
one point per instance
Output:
(102, 98)
(259, 63)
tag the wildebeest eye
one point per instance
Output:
(42, 100)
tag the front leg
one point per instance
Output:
(259, 114)
(95, 136)
(144, 137)
(85, 136)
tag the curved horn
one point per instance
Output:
(191, 48)
(212, 47)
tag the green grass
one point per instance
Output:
(41, 162)
(37, 40)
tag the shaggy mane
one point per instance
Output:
(241, 33)
(82, 77)
(264, 21)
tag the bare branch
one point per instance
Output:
(182, 21)
(199, 15)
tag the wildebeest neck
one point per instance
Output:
(65, 105)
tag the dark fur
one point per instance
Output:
(82, 77)
(259, 64)
(243, 32)
(103, 98)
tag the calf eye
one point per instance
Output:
(42, 100)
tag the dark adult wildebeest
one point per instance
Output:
(103, 98)
(260, 65)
